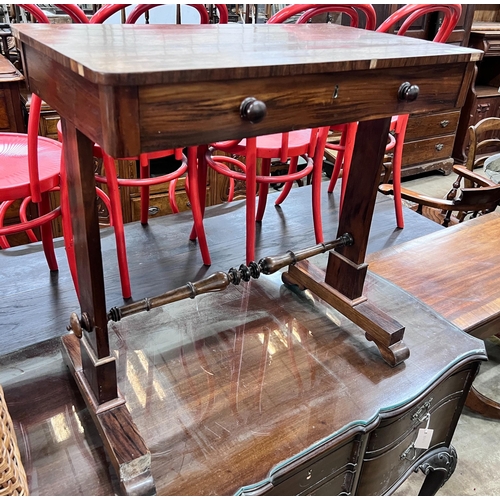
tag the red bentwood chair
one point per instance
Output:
(309, 144)
(113, 182)
(30, 169)
(345, 146)
(409, 13)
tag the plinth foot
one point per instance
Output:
(126, 449)
(384, 331)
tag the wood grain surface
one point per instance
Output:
(455, 271)
(143, 55)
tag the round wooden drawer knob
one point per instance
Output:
(408, 92)
(252, 110)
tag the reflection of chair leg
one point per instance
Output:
(295, 370)
(198, 344)
(263, 364)
(483, 405)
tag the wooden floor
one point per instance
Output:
(35, 304)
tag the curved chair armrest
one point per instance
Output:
(471, 176)
(419, 198)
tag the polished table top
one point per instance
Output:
(149, 54)
(185, 83)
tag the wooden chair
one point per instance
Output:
(407, 15)
(460, 203)
(287, 147)
(484, 138)
(472, 194)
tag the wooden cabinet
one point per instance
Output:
(430, 138)
(11, 118)
(483, 99)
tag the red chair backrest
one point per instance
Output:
(77, 15)
(411, 12)
(140, 9)
(106, 11)
(34, 119)
(310, 10)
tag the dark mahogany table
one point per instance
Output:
(456, 272)
(135, 89)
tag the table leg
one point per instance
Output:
(479, 403)
(438, 468)
(89, 358)
(342, 283)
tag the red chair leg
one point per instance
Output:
(196, 206)
(46, 234)
(202, 184)
(396, 169)
(67, 229)
(338, 161)
(350, 132)
(121, 249)
(288, 185)
(317, 176)
(251, 187)
(263, 189)
(145, 174)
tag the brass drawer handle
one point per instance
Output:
(404, 455)
(445, 123)
(423, 410)
(153, 210)
(253, 110)
(439, 147)
(408, 92)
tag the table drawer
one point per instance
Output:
(425, 126)
(402, 454)
(326, 472)
(168, 112)
(428, 150)
(392, 429)
(159, 204)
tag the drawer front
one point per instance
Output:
(159, 204)
(169, 111)
(391, 429)
(428, 150)
(402, 455)
(339, 485)
(330, 469)
(48, 125)
(425, 126)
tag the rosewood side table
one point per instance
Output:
(135, 89)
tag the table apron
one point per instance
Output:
(154, 117)
(205, 112)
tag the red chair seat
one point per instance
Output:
(269, 146)
(14, 165)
